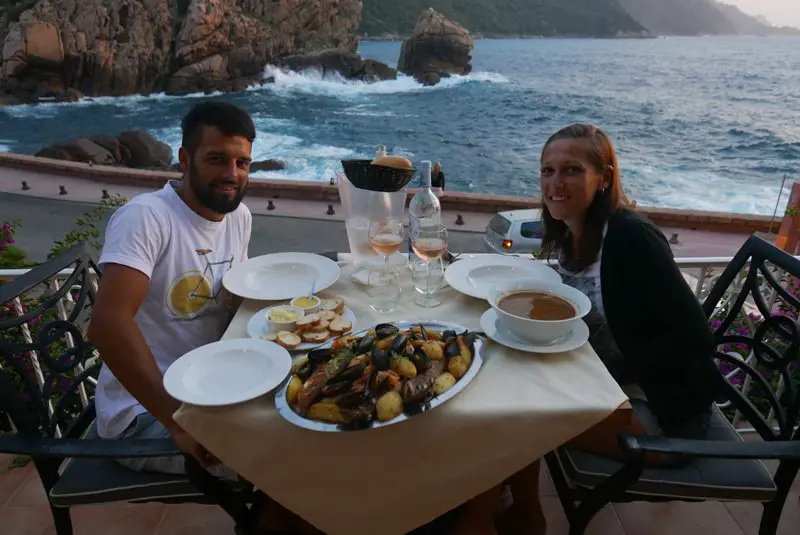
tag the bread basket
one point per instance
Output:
(363, 175)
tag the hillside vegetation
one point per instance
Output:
(596, 18)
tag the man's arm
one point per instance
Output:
(124, 350)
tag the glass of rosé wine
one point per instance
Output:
(386, 237)
(429, 244)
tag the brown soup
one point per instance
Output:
(542, 306)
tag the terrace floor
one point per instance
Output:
(24, 511)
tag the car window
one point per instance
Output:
(532, 229)
(500, 224)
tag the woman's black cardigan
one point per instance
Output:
(656, 320)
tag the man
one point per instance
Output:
(161, 293)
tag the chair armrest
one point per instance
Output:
(722, 449)
(98, 448)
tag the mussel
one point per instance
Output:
(365, 343)
(452, 349)
(304, 371)
(351, 374)
(381, 360)
(469, 340)
(386, 330)
(350, 400)
(320, 355)
(420, 360)
(423, 332)
(399, 344)
(448, 336)
(334, 389)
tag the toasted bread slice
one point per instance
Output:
(289, 340)
(319, 327)
(339, 306)
(316, 337)
(307, 322)
(327, 315)
(329, 305)
(269, 337)
(340, 325)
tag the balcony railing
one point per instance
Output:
(700, 273)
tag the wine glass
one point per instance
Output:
(386, 237)
(429, 243)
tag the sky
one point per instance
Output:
(779, 12)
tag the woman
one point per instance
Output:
(646, 324)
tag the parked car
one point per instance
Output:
(515, 232)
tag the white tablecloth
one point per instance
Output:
(394, 479)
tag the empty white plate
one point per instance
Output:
(475, 275)
(279, 276)
(494, 329)
(227, 372)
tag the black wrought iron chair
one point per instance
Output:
(724, 467)
(48, 374)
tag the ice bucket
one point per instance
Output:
(360, 208)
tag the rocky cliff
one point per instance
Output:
(120, 47)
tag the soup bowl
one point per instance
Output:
(538, 331)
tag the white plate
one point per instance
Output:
(227, 372)
(278, 276)
(491, 326)
(475, 275)
(258, 326)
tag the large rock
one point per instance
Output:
(120, 47)
(348, 64)
(132, 148)
(437, 48)
(78, 150)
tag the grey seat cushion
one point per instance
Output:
(93, 481)
(703, 479)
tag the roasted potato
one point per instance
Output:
(327, 412)
(293, 390)
(433, 350)
(458, 366)
(404, 367)
(432, 335)
(299, 364)
(443, 383)
(384, 343)
(389, 405)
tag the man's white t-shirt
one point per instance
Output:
(185, 257)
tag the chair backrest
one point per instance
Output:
(48, 370)
(753, 309)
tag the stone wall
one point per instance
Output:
(322, 192)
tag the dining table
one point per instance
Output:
(394, 479)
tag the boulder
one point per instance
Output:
(437, 48)
(343, 62)
(78, 150)
(146, 152)
(267, 165)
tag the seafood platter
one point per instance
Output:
(379, 376)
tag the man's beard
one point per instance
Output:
(216, 203)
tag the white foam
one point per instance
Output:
(312, 81)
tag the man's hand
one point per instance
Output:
(190, 446)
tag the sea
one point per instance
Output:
(700, 123)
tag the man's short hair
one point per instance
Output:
(229, 119)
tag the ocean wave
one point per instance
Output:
(315, 82)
